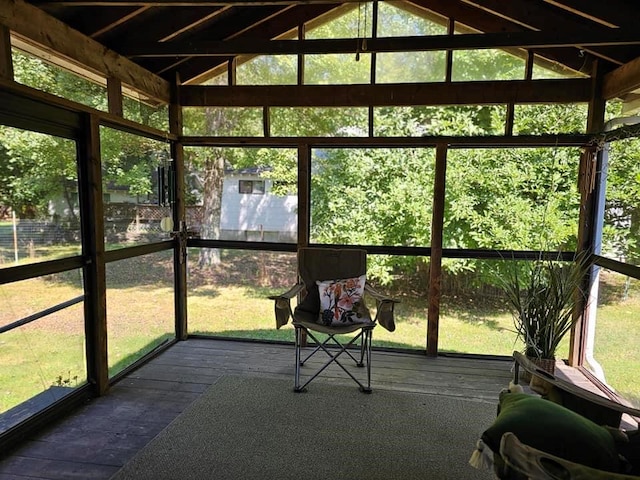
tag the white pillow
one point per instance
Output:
(337, 300)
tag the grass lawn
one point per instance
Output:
(50, 351)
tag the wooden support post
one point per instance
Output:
(589, 185)
(304, 202)
(304, 194)
(179, 217)
(231, 71)
(6, 62)
(528, 67)
(266, 121)
(435, 269)
(114, 96)
(511, 111)
(95, 285)
(374, 34)
(587, 178)
(451, 30)
(301, 35)
(372, 72)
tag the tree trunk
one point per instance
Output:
(213, 180)
(213, 175)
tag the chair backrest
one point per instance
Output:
(316, 263)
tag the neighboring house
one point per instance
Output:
(250, 211)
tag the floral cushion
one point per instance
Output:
(340, 301)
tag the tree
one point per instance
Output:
(382, 196)
(622, 209)
(35, 168)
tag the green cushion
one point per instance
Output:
(553, 429)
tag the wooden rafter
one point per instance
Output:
(622, 80)
(49, 32)
(612, 13)
(200, 69)
(158, 25)
(95, 32)
(191, 68)
(537, 16)
(470, 19)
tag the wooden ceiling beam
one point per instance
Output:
(250, 46)
(538, 16)
(181, 3)
(612, 13)
(96, 31)
(199, 69)
(36, 25)
(488, 141)
(457, 93)
(473, 19)
(622, 80)
(156, 24)
(233, 22)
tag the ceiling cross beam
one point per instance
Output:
(403, 94)
(251, 46)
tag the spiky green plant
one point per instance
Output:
(543, 302)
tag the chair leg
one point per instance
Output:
(366, 340)
(365, 357)
(298, 335)
(363, 343)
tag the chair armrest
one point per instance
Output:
(283, 304)
(384, 308)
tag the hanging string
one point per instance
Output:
(358, 33)
(364, 31)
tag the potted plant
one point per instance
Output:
(543, 301)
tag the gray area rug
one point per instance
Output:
(258, 428)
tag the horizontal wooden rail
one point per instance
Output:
(41, 314)
(489, 141)
(401, 94)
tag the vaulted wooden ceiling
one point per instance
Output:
(193, 40)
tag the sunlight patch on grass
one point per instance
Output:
(616, 346)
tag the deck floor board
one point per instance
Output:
(97, 439)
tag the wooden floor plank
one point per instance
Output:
(102, 435)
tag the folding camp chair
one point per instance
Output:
(332, 283)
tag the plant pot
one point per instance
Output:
(546, 364)
(538, 383)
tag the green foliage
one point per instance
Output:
(550, 119)
(66, 380)
(138, 111)
(128, 161)
(622, 212)
(394, 22)
(486, 65)
(34, 169)
(38, 74)
(511, 199)
(372, 197)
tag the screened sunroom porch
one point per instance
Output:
(117, 246)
